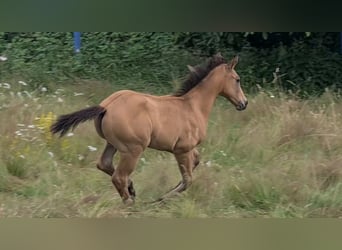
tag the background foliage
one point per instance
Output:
(279, 158)
(306, 63)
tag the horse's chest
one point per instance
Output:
(192, 136)
(181, 139)
(189, 139)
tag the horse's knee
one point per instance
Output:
(105, 168)
(99, 166)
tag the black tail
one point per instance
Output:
(70, 121)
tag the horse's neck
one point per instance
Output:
(203, 96)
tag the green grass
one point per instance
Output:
(282, 158)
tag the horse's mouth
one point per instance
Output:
(241, 106)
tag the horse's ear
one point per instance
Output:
(191, 69)
(218, 54)
(233, 62)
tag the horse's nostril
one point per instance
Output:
(242, 105)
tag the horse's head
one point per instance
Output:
(231, 88)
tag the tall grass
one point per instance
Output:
(282, 157)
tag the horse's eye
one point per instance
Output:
(238, 80)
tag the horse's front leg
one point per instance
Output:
(196, 160)
(187, 162)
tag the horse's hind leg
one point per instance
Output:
(121, 179)
(105, 163)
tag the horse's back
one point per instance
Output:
(116, 96)
(160, 122)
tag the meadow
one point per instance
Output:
(280, 158)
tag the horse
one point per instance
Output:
(131, 121)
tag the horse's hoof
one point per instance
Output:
(129, 202)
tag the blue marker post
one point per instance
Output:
(77, 42)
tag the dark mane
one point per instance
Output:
(199, 73)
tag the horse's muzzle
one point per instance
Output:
(242, 105)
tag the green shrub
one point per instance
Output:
(304, 63)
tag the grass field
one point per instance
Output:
(282, 158)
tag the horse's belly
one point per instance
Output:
(162, 143)
(177, 142)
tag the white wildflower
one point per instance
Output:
(208, 163)
(70, 134)
(43, 89)
(80, 157)
(51, 154)
(77, 94)
(31, 126)
(22, 83)
(18, 132)
(28, 94)
(20, 125)
(6, 85)
(22, 156)
(58, 91)
(3, 58)
(92, 149)
(59, 99)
